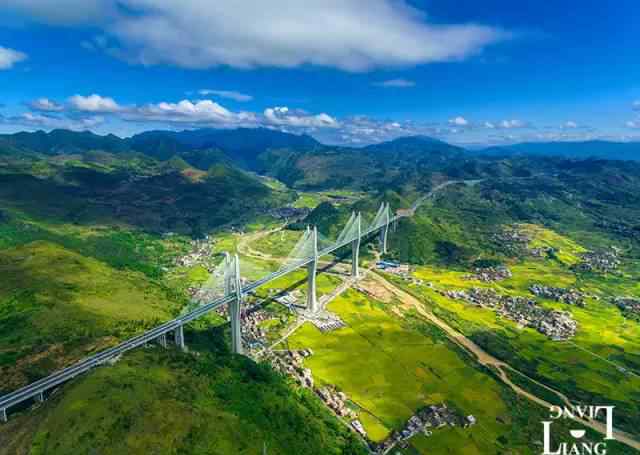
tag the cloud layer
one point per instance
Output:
(352, 35)
(9, 57)
(82, 112)
(395, 83)
(228, 94)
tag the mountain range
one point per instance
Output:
(246, 144)
(300, 161)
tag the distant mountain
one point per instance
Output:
(201, 148)
(421, 151)
(582, 150)
(413, 144)
(242, 146)
(63, 141)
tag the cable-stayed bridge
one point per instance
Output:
(225, 288)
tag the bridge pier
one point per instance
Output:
(355, 249)
(3, 415)
(384, 232)
(312, 271)
(178, 337)
(235, 311)
(162, 340)
(40, 397)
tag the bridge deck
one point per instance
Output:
(36, 388)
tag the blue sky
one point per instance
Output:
(348, 71)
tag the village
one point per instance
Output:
(568, 296)
(600, 261)
(425, 421)
(630, 307)
(557, 325)
(490, 274)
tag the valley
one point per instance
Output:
(501, 296)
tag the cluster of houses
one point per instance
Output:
(252, 332)
(289, 213)
(290, 363)
(337, 401)
(393, 267)
(425, 421)
(629, 306)
(564, 295)
(511, 240)
(200, 254)
(557, 325)
(599, 261)
(490, 274)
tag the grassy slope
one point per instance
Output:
(57, 305)
(163, 402)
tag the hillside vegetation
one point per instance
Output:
(168, 402)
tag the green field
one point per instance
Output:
(390, 367)
(588, 368)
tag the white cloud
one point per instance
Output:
(570, 124)
(45, 105)
(459, 121)
(9, 57)
(48, 122)
(297, 118)
(229, 94)
(94, 103)
(395, 83)
(185, 111)
(632, 124)
(352, 35)
(510, 124)
(489, 125)
(636, 105)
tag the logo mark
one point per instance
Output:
(578, 447)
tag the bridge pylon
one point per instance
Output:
(235, 308)
(178, 337)
(355, 247)
(312, 270)
(384, 232)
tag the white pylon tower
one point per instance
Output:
(385, 229)
(233, 285)
(312, 269)
(355, 247)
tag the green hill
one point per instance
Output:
(167, 402)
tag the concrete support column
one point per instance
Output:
(312, 270)
(178, 336)
(355, 248)
(40, 397)
(234, 311)
(228, 274)
(384, 232)
(162, 340)
(3, 415)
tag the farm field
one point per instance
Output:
(600, 364)
(390, 367)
